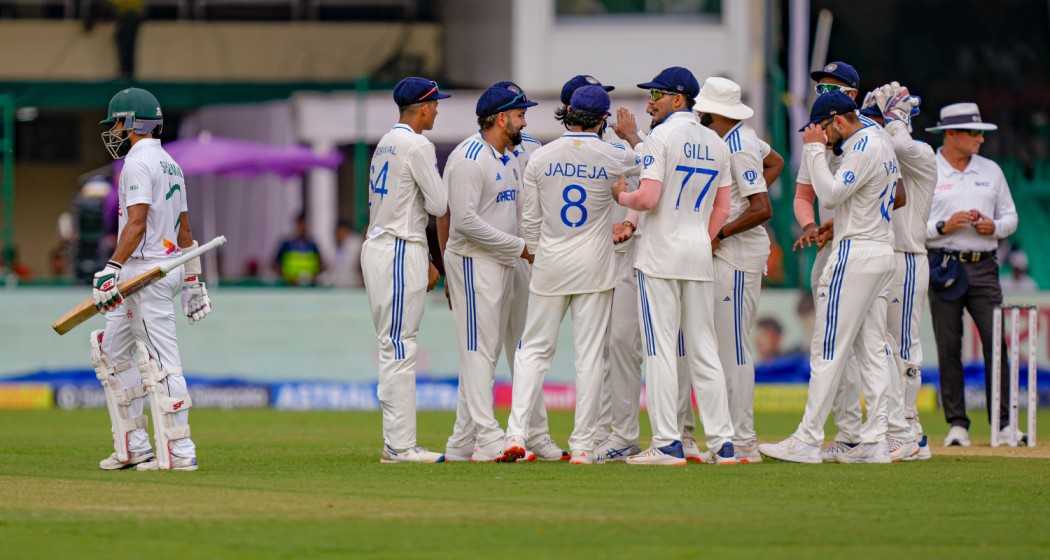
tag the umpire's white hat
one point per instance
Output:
(961, 116)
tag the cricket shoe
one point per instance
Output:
(924, 453)
(111, 463)
(582, 458)
(513, 450)
(726, 455)
(831, 452)
(608, 452)
(458, 454)
(792, 450)
(958, 436)
(546, 450)
(177, 464)
(747, 453)
(867, 453)
(692, 451)
(901, 450)
(491, 453)
(1019, 439)
(411, 455)
(667, 456)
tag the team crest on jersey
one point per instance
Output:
(849, 177)
(647, 161)
(751, 176)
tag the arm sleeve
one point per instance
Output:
(906, 148)
(644, 198)
(422, 161)
(931, 229)
(805, 196)
(137, 183)
(632, 162)
(832, 189)
(1005, 211)
(465, 183)
(719, 212)
(747, 172)
(531, 218)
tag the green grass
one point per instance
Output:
(309, 485)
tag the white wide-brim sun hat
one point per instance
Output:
(961, 116)
(720, 96)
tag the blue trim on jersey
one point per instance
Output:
(473, 149)
(738, 315)
(834, 291)
(909, 305)
(397, 310)
(580, 135)
(860, 145)
(404, 127)
(866, 121)
(732, 138)
(647, 318)
(681, 344)
(471, 304)
(527, 138)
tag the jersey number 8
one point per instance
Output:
(580, 198)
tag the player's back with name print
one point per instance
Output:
(868, 160)
(395, 203)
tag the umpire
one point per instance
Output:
(972, 210)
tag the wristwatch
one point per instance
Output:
(940, 227)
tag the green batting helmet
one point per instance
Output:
(139, 110)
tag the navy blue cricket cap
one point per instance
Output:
(577, 82)
(502, 96)
(828, 105)
(839, 70)
(417, 90)
(591, 99)
(676, 80)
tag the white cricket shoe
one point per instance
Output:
(582, 458)
(491, 453)
(111, 463)
(611, 452)
(546, 450)
(792, 450)
(901, 450)
(867, 453)
(411, 455)
(726, 455)
(1019, 439)
(831, 452)
(747, 453)
(513, 449)
(692, 451)
(458, 454)
(667, 456)
(177, 464)
(958, 436)
(924, 453)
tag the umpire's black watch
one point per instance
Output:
(940, 227)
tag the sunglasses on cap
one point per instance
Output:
(828, 88)
(517, 98)
(658, 94)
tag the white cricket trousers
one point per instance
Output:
(851, 307)
(149, 316)
(478, 289)
(622, 382)
(846, 410)
(590, 324)
(736, 299)
(513, 327)
(395, 274)
(666, 307)
(911, 280)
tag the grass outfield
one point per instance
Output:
(309, 485)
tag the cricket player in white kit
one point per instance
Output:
(685, 196)
(567, 203)
(404, 186)
(741, 251)
(137, 355)
(853, 292)
(483, 180)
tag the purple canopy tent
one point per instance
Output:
(212, 155)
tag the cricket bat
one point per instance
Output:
(86, 309)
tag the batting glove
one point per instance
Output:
(104, 288)
(195, 302)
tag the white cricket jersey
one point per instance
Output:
(919, 175)
(861, 191)
(748, 250)
(691, 162)
(404, 186)
(483, 190)
(824, 213)
(619, 213)
(982, 187)
(151, 177)
(567, 206)
(524, 150)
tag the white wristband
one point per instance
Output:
(192, 267)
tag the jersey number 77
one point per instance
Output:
(689, 173)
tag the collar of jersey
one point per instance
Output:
(142, 144)
(571, 134)
(731, 130)
(492, 150)
(403, 126)
(949, 169)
